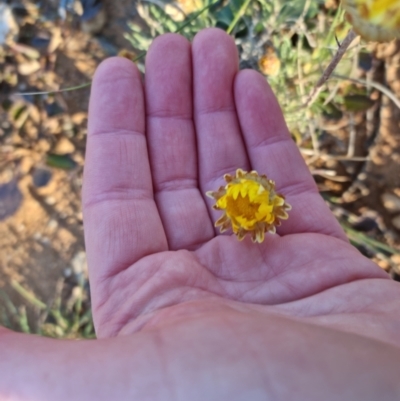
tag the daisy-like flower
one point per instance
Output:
(269, 63)
(250, 205)
(375, 20)
(181, 8)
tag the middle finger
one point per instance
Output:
(219, 140)
(172, 143)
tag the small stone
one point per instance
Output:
(25, 165)
(391, 202)
(64, 146)
(10, 199)
(8, 26)
(29, 67)
(77, 292)
(383, 264)
(396, 222)
(43, 145)
(395, 258)
(41, 177)
(37, 236)
(67, 272)
(56, 40)
(93, 24)
(45, 241)
(79, 264)
(50, 200)
(52, 224)
(365, 224)
(79, 118)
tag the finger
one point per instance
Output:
(172, 143)
(122, 223)
(273, 152)
(220, 145)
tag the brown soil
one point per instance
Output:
(41, 240)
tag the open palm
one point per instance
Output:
(183, 312)
(151, 157)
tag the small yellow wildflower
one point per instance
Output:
(375, 20)
(181, 8)
(251, 205)
(269, 63)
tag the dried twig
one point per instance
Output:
(352, 137)
(386, 91)
(324, 156)
(331, 67)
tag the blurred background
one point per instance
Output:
(349, 135)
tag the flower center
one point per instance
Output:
(247, 203)
(242, 206)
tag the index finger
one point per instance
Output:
(121, 219)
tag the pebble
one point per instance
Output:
(395, 258)
(25, 165)
(77, 292)
(396, 222)
(52, 224)
(29, 67)
(37, 236)
(94, 24)
(79, 264)
(383, 264)
(41, 177)
(43, 145)
(79, 118)
(391, 202)
(50, 200)
(10, 199)
(45, 241)
(64, 146)
(8, 25)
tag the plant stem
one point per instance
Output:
(386, 91)
(351, 35)
(365, 240)
(71, 88)
(237, 17)
(27, 295)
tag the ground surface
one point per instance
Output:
(41, 231)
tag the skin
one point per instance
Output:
(182, 312)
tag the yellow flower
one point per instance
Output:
(269, 63)
(376, 20)
(181, 8)
(250, 205)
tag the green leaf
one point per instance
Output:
(225, 16)
(259, 28)
(291, 11)
(357, 103)
(331, 112)
(64, 162)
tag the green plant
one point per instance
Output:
(62, 319)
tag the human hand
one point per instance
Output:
(181, 311)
